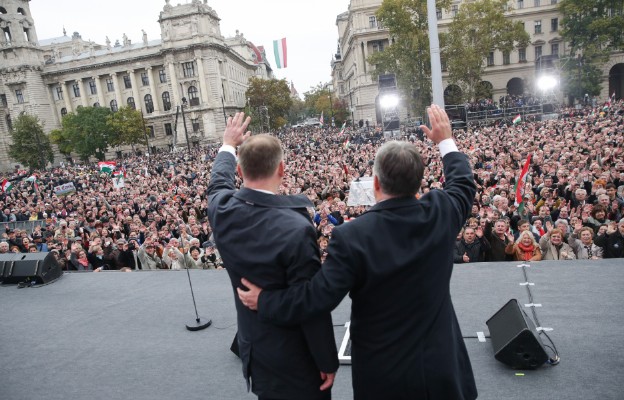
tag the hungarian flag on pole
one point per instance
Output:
(519, 189)
(33, 179)
(107, 166)
(281, 53)
(346, 144)
(344, 126)
(6, 186)
(517, 120)
(321, 119)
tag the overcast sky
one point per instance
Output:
(309, 27)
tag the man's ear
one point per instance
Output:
(280, 169)
(376, 185)
(239, 170)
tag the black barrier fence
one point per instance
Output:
(22, 225)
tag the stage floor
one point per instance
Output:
(122, 335)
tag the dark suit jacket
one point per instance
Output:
(396, 261)
(271, 240)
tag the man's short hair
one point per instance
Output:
(259, 156)
(399, 168)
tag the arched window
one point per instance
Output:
(63, 112)
(131, 103)
(96, 105)
(3, 10)
(166, 101)
(193, 96)
(113, 106)
(20, 10)
(149, 104)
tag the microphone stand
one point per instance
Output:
(198, 325)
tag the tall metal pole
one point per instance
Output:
(434, 50)
(145, 132)
(188, 144)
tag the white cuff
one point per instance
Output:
(228, 148)
(447, 146)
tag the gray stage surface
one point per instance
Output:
(122, 335)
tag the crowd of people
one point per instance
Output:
(572, 205)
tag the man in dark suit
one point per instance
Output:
(396, 261)
(272, 240)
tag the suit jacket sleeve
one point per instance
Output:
(312, 298)
(318, 331)
(460, 185)
(223, 175)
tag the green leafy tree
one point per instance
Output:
(127, 127)
(269, 101)
(297, 111)
(61, 139)
(479, 28)
(407, 55)
(30, 146)
(87, 131)
(592, 29)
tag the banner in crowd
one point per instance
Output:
(281, 53)
(107, 166)
(361, 192)
(119, 181)
(65, 190)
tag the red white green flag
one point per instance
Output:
(6, 186)
(281, 53)
(517, 120)
(344, 126)
(519, 189)
(107, 166)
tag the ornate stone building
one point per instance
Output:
(360, 34)
(191, 66)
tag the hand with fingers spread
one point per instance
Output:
(440, 124)
(235, 130)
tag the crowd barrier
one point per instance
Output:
(22, 225)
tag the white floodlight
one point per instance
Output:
(388, 101)
(546, 82)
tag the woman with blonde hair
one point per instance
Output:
(525, 248)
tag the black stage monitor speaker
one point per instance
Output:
(514, 338)
(40, 267)
(6, 261)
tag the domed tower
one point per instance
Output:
(21, 65)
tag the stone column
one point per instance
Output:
(175, 86)
(152, 84)
(100, 92)
(66, 94)
(203, 87)
(117, 89)
(135, 91)
(83, 92)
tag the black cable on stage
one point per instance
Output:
(553, 360)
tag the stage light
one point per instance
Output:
(546, 82)
(388, 101)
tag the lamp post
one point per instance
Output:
(188, 144)
(145, 132)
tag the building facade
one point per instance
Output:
(361, 34)
(191, 68)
